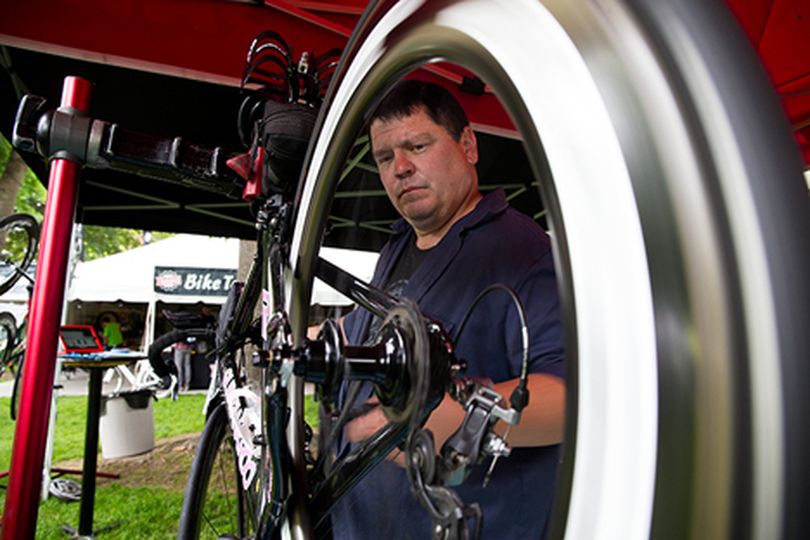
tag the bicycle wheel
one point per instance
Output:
(16, 387)
(214, 505)
(19, 234)
(12, 356)
(680, 223)
(8, 335)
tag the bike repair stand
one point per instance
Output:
(30, 437)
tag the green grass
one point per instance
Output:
(143, 512)
(139, 512)
(171, 418)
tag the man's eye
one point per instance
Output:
(419, 147)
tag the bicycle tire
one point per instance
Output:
(16, 388)
(8, 326)
(206, 514)
(23, 230)
(165, 368)
(686, 352)
(8, 336)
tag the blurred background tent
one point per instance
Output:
(182, 273)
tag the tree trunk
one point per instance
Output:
(10, 183)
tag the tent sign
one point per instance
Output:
(193, 281)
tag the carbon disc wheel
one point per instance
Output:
(680, 223)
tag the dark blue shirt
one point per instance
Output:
(492, 244)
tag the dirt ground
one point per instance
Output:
(166, 466)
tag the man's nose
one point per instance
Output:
(403, 167)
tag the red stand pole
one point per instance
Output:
(28, 452)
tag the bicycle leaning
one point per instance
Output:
(19, 238)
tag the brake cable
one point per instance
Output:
(524, 333)
(469, 443)
(520, 395)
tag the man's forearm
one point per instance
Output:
(542, 422)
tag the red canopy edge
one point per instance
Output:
(779, 30)
(200, 39)
(206, 40)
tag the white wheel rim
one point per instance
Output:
(633, 315)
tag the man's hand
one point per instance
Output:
(363, 427)
(443, 422)
(312, 331)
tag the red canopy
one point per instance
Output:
(780, 32)
(206, 39)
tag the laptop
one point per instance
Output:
(80, 339)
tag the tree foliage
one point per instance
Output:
(103, 241)
(30, 198)
(5, 151)
(97, 241)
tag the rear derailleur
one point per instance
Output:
(432, 475)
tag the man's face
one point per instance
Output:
(429, 177)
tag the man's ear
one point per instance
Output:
(469, 144)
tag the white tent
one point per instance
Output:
(131, 276)
(360, 264)
(15, 300)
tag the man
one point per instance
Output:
(182, 361)
(111, 332)
(452, 244)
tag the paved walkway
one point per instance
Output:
(72, 384)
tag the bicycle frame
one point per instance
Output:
(141, 377)
(268, 266)
(305, 501)
(411, 366)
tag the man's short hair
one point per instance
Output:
(406, 97)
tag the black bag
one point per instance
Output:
(187, 319)
(284, 132)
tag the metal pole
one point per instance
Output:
(27, 457)
(90, 453)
